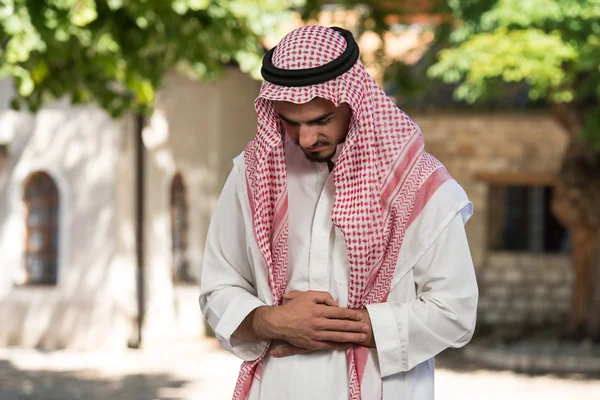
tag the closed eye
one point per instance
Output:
(323, 122)
(287, 121)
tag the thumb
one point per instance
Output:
(325, 298)
(292, 295)
(288, 350)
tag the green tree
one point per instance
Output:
(116, 52)
(554, 47)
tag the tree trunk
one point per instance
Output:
(594, 320)
(140, 154)
(584, 243)
(576, 205)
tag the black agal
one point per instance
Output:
(312, 76)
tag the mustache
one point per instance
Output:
(317, 144)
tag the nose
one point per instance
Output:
(308, 135)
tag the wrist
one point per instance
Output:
(264, 323)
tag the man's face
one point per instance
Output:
(317, 126)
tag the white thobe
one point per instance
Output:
(431, 305)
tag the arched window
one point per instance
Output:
(41, 247)
(179, 231)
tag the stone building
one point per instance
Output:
(67, 213)
(506, 159)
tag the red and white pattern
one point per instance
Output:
(383, 179)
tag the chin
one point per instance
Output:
(321, 156)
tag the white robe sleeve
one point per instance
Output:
(227, 290)
(443, 314)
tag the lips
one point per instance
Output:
(314, 149)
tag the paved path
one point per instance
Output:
(199, 371)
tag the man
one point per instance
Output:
(336, 263)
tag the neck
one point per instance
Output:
(330, 164)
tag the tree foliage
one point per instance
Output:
(116, 52)
(551, 45)
(382, 17)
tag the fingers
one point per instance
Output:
(342, 313)
(285, 301)
(323, 298)
(287, 297)
(291, 350)
(293, 294)
(341, 325)
(317, 296)
(339, 337)
(329, 345)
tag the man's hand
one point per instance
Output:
(291, 349)
(311, 320)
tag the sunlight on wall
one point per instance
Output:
(8, 126)
(156, 133)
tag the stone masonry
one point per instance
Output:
(522, 288)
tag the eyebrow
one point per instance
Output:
(312, 121)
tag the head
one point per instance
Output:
(317, 126)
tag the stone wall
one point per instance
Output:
(479, 150)
(524, 288)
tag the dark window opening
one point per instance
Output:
(179, 232)
(41, 246)
(521, 219)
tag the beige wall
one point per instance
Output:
(75, 146)
(197, 129)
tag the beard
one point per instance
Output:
(322, 156)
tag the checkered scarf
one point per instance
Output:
(383, 178)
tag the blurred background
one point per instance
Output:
(119, 121)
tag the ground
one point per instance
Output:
(198, 370)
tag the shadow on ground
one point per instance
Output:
(17, 384)
(455, 360)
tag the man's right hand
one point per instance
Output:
(310, 320)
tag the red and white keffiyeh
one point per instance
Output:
(383, 179)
